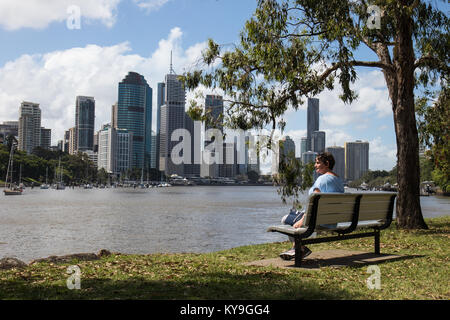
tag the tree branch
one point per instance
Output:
(429, 60)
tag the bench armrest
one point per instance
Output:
(287, 230)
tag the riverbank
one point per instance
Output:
(420, 273)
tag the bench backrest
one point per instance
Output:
(339, 207)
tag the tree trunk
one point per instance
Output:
(409, 212)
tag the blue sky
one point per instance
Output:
(42, 60)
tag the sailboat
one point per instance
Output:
(10, 188)
(45, 185)
(60, 185)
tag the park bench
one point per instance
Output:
(344, 214)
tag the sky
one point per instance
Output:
(55, 50)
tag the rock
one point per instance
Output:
(68, 258)
(103, 253)
(9, 263)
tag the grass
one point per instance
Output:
(423, 274)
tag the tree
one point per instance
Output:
(433, 125)
(296, 48)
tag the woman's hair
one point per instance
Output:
(327, 159)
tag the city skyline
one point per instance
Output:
(57, 64)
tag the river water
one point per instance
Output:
(41, 223)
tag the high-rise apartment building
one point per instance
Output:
(73, 140)
(312, 121)
(339, 158)
(172, 118)
(84, 123)
(114, 150)
(356, 159)
(29, 126)
(134, 113)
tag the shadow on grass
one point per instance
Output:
(211, 286)
(358, 260)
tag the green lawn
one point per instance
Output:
(423, 274)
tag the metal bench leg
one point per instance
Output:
(377, 241)
(298, 252)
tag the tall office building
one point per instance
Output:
(191, 169)
(161, 94)
(29, 126)
(356, 159)
(312, 121)
(285, 147)
(339, 158)
(172, 118)
(84, 122)
(134, 113)
(46, 138)
(214, 110)
(318, 141)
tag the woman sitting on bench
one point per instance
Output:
(328, 181)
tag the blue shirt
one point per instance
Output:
(328, 183)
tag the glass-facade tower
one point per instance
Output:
(84, 123)
(134, 113)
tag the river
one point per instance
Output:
(200, 219)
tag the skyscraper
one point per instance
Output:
(134, 113)
(356, 159)
(303, 145)
(29, 126)
(114, 149)
(161, 94)
(214, 110)
(46, 138)
(339, 158)
(318, 141)
(172, 118)
(285, 147)
(84, 122)
(312, 121)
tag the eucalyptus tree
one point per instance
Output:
(293, 49)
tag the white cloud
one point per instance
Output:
(150, 5)
(55, 79)
(39, 14)
(384, 156)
